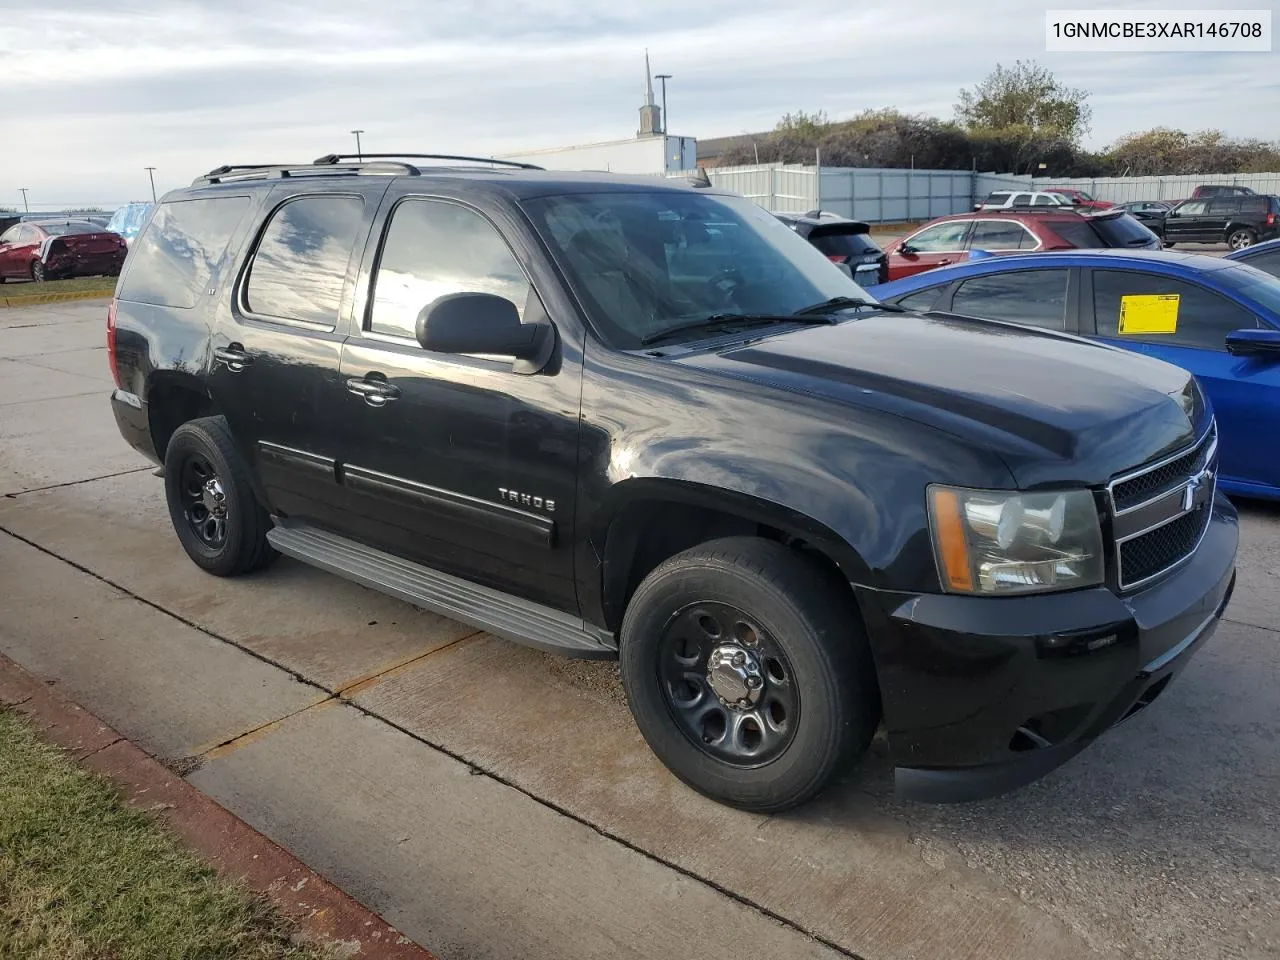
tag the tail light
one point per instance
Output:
(1271, 219)
(111, 344)
(837, 258)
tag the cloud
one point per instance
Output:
(92, 94)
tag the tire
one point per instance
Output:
(1240, 237)
(818, 699)
(37, 271)
(234, 541)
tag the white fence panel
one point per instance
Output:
(1124, 189)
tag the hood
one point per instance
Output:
(1056, 408)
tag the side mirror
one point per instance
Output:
(906, 248)
(1254, 343)
(486, 324)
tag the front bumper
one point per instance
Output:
(983, 694)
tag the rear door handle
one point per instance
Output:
(233, 356)
(376, 393)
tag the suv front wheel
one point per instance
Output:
(748, 672)
(214, 511)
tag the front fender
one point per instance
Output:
(849, 480)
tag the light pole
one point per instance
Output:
(23, 191)
(359, 152)
(151, 173)
(664, 77)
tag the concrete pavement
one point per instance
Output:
(492, 801)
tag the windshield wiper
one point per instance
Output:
(846, 303)
(732, 319)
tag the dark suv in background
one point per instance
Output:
(846, 243)
(1237, 221)
(635, 418)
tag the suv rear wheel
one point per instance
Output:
(748, 672)
(211, 502)
(1240, 237)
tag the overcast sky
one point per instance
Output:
(93, 91)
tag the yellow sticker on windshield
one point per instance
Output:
(1149, 313)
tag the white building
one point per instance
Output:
(651, 151)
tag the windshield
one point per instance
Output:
(1255, 284)
(646, 262)
(69, 227)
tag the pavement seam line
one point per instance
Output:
(65, 396)
(231, 744)
(73, 483)
(469, 764)
(1255, 626)
(361, 684)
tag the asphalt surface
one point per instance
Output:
(491, 801)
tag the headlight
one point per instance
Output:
(997, 542)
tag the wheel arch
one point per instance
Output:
(649, 520)
(173, 398)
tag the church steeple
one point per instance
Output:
(650, 113)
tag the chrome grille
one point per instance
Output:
(1147, 555)
(1136, 490)
(1160, 513)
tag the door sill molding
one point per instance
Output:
(513, 618)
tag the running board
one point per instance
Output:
(520, 620)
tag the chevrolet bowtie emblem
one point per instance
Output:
(1191, 492)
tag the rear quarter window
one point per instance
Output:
(171, 264)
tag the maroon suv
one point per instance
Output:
(950, 239)
(57, 249)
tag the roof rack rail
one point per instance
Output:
(280, 171)
(331, 158)
(1031, 208)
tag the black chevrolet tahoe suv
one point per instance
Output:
(642, 418)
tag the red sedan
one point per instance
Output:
(57, 249)
(950, 239)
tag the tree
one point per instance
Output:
(1029, 97)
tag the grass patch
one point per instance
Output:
(16, 289)
(83, 877)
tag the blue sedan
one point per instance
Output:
(1217, 318)
(1264, 256)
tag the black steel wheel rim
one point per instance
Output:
(204, 501)
(708, 656)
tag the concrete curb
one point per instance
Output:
(323, 913)
(42, 298)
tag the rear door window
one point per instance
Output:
(997, 199)
(1004, 235)
(1204, 318)
(1268, 262)
(299, 269)
(1021, 199)
(1036, 298)
(172, 262)
(1224, 206)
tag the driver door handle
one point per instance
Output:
(376, 393)
(233, 356)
